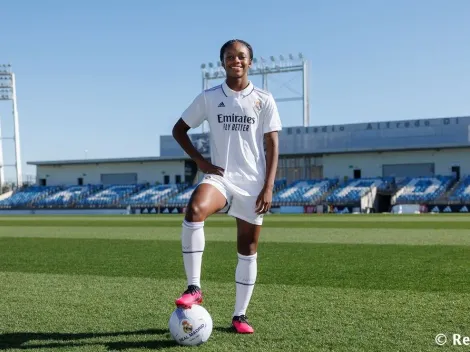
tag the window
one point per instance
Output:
(166, 179)
(456, 172)
(357, 173)
(80, 181)
(177, 178)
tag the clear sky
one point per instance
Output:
(110, 77)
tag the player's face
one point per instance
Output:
(237, 60)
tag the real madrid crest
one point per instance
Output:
(257, 105)
(187, 326)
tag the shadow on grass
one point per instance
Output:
(20, 340)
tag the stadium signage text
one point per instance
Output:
(327, 128)
(408, 124)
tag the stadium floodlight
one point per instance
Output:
(8, 92)
(261, 67)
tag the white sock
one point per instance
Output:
(245, 278)
(193, 242)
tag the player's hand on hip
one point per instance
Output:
(209, 168)
(263, 203)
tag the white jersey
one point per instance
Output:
(238, 122)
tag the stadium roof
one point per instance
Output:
(107, 160)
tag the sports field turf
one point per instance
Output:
(325, 283)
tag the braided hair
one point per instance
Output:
(230, 42)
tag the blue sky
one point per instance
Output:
(111, 77)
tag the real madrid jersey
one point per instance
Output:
(238, 122)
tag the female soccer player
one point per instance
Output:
(242, 118)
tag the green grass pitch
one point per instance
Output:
(325, 283)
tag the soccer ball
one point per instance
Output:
(190, 327)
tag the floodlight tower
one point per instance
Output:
(8, 92)
(264, 68)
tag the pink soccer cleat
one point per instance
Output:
(192, 295)
(241, 326)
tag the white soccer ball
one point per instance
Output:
(190, 327)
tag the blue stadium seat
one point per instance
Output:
(303, 192)
(353, 190)
(152, 196)
(110, 196)
(279, 185)
(462, 192)
(26, 196)
(423, 189)
(67, 197)
(181, 199)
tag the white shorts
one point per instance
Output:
(242, 205)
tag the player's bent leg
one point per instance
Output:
(245, 274)
(205, 201)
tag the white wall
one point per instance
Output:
(152, 171)
(340, 165)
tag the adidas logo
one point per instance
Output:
(222, 105)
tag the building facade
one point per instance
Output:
(424, 147)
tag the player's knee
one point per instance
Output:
(249, 248)
(195, 213)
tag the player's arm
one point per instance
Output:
(272, 155)
(263, 203)
(180, 134)
(271, 126)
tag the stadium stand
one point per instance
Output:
(303, 192)
(353, 190)
(111, 196)
(99, 196)
(462, 191)
(422, 189)
(279, 185)
(67, 197)
(181, 199)
(153, 196)
(26, 196)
